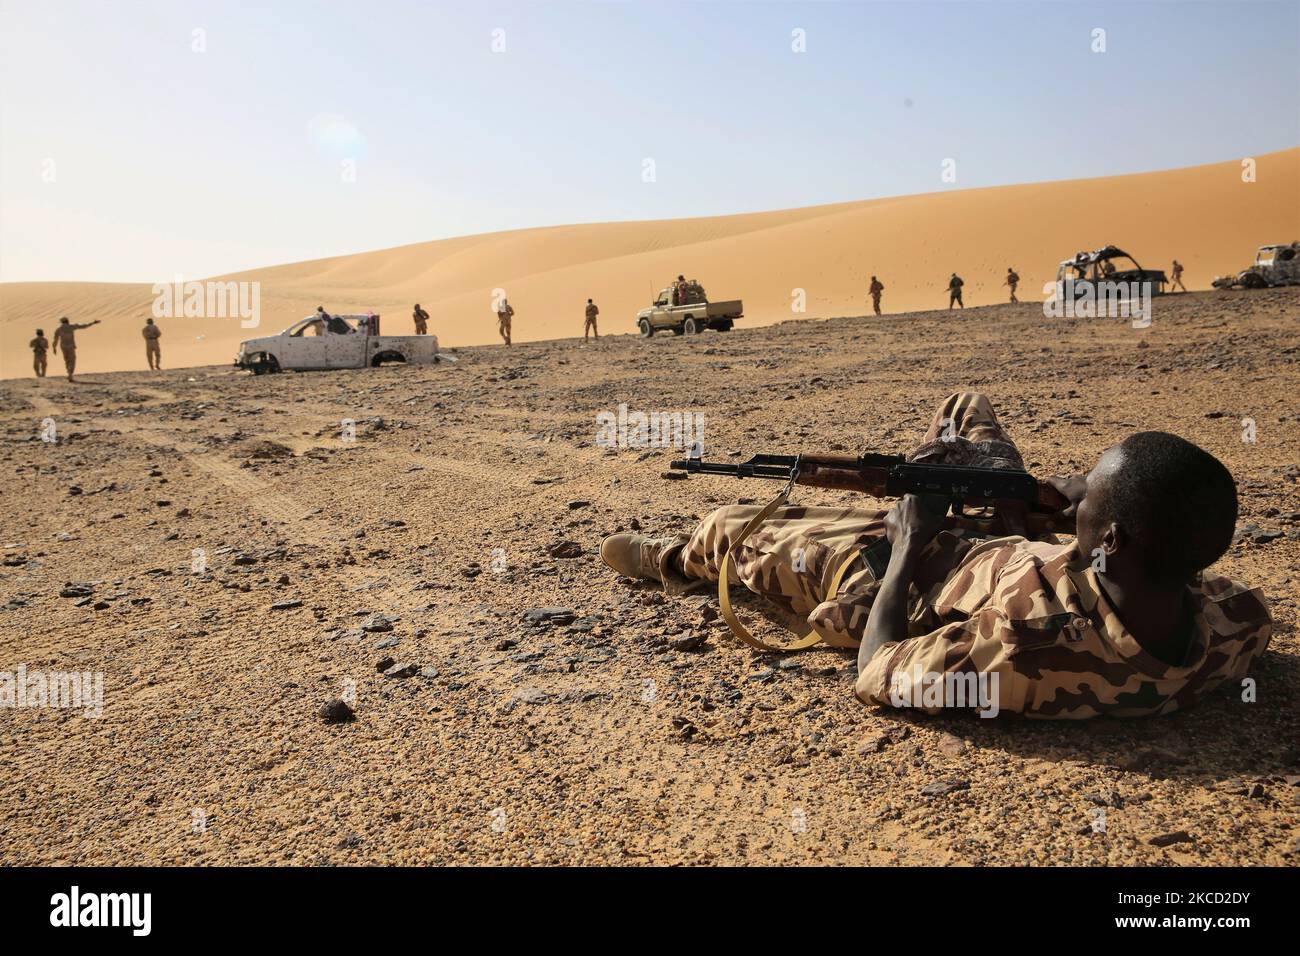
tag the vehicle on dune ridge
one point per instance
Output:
(1087, 273)
(1274, 265)
(687, 311)
(309, 345)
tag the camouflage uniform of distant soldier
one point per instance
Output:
(65, 340)
(875, 289)
(40, 346)
(505, 312)
(1176, 279)
(1012, 280)
(1033, 612)
(954, 291)
(679, 291)
(152, 353)
(590, 324)
(421, 320)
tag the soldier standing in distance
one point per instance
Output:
(1177, 278)
(590, 324)
(421, 320)
(152, 353)
(505, 312)
(1012, 280)
(876, 288)
(40, 345)
(65, 338)
(954, 291)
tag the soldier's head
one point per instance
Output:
(40, 332)
(320, 309)
(148, 321)
(681, 278)
(1159, 508)
(417, 305)
(63, 321)
(588, 302)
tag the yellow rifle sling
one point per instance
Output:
(726, 569)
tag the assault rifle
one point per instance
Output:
(892, 476)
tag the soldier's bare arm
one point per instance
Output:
(910, 527)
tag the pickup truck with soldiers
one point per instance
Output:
(683, 308)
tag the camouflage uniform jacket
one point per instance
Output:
(1035, 614)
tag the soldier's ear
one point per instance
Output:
(1113, 539)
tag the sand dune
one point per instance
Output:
(1205, 216)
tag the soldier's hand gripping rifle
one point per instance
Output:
(1021, 497)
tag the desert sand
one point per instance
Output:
(634, 729)
(1205, 216)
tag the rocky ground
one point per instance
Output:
(231, 559)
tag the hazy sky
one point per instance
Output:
(132, 148)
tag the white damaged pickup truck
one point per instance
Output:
(313, 343)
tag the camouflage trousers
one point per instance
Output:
(791, 559)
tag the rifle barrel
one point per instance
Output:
(747, 469)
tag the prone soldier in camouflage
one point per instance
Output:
(152, 352)
(65, 339)
(1125, 621)
(590, 324)
(874, 291)
(40, 346)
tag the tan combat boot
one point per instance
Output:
(635, 555)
